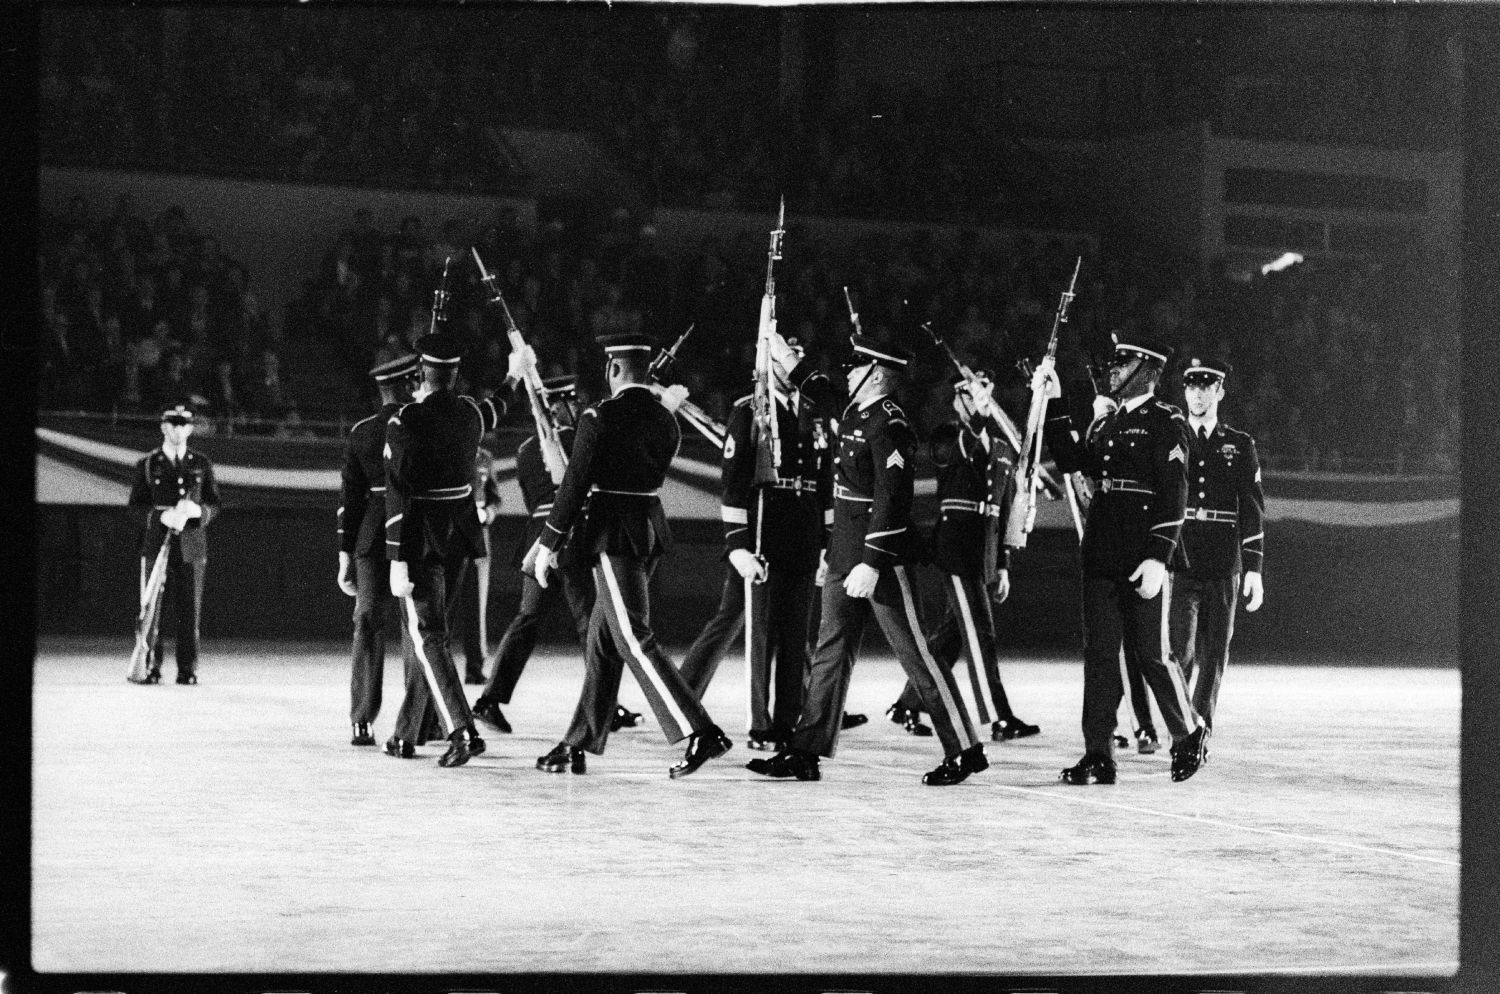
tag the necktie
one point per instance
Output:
(1202, 434)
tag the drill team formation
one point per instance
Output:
(816, 502)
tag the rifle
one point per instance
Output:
(548, 431)
(713, 430)
(149, 616)
(1029, 454)
(440, 299)
(853, 314)
(765, 433)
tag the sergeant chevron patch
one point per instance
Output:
(1177, 454)
(894, 460)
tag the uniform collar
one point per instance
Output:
(1209, 426)
(176, 455)
(631, 386)
(873, 400)
(1137, 401)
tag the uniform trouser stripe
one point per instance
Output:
(977, 674)
(421, 650)
(627, 632)
(750, 627)
(1174, 672)
(940, 676)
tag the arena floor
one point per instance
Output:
(231, 827)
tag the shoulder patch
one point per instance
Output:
(590, 411)
(892, 408)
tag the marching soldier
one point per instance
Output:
(469, 613)
(574, 571)
(1135, 452)
(175, 484)
(773, 536)
(1223, 534)
(364, 573)
(974, 488)
(431, 529)
(621, 452)
(872, 544)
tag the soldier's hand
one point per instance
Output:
(671, 397)
(1001, 590)
(1152, 573)
(1103, 405)
(861, 580)
(346, 574)
(1044, 378)
(172, 518)
(782, 352)
(522, 363)
(821, 576)
(1253, 590)
(189, 508)
(981, 393)
(401, 585)
(747, 565)
(539, 559)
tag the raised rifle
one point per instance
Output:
(660, 367)
(148, 619)
(765, 433)
(548, 431)
(1029, 454)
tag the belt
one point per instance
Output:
(794, 483)
(1125, 486)
(974, 506)
(445, 493)
(624, 493)
(1209, 514)
(844, 493)
(541, 510)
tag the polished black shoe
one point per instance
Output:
(763, 742)
(400, 748)
(1189, 754)
(563, 759)
(460, 748)
(362, 736)
(787, 764)
(489, 713)
(1121, 742)
(476, 744)
(909, 720)
(1092, 768)
(1012, 728)
(1146, 742)
(702, 746)
(474, 676)
(852, 721)
(623, 719)
(957, 769)
(187, 679)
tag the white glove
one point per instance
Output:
(1044, 378)
(745, 563)
(781, 352)
(861, 580)
(980, 393)
(346, 574)
(522, 362)
(1253, 590)
(189, 508)
(821, 576)
(420, 391)
(172, 517)
(672, 397)
(539, 559)
(1001, 590)
(1102, 406)
(1152, 573)
(401, 585)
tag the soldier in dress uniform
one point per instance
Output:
(364, 573)
(431, 529)
(175, 485)
(1135, 452)
(975, 485)
(774, 534)
(1223, 536)
(472, 603)
(870, 551)
(608, 502)
(574, 572)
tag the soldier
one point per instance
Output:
(175, 484)
(620, 457)
(363, 570)
(1135, 452)
(774, 534)
(869, 552)
(473, 592)
(1223, 534)
(975, 486)
(431, 529)
(574, 571)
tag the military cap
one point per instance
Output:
(178, 414)
(626, 344)
(395, 369)
(438, 349)
(1205, 372)
(1143, 346)
(867, 349)
(560, 386)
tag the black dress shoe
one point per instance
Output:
(701, 747)
(1189, 754)
(476, 744)
(489, 713)
(789, 763)
(562, 759)
(956, 769)
(623, 719)
(460, 749)
(909, 720)
(186, 679)
(1012, 728)
(399, 747)
(474, 676)
(852, 721)
(1092, 768)
(1146, 742)
(764, 743)
(1121, 742)
(362, 736)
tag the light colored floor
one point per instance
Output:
(230, 827)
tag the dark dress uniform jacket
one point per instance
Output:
(796, 507)
(537, 490)
(1137, 462)
(362, 506)
(974, 488)
(429, 503)
(159, 485)
(620, 456)
(1224, 531)
(873, 481)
